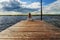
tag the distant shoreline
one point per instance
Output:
(34, 15)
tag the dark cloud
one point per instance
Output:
(15, 6)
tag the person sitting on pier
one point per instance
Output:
(29, 16)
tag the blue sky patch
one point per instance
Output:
(48, 1)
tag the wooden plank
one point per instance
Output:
(30, 30)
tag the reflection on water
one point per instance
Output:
(7, 21)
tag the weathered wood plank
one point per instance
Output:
(31, 30)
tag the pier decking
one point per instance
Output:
(31, 30)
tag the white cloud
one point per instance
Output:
(7, 3)
(36, 12)
(34, 5)
(4, 0)
(10, 13)
(1, 6)
(53, 8)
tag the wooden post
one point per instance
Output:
(41, 9)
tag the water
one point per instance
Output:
(7, 21)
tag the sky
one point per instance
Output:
(26, 6)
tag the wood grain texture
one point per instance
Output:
(31, 30)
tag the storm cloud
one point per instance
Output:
(13, 5)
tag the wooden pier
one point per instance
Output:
(31, 30)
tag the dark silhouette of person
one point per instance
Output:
(29, 16)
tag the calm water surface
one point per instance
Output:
(7, 21)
